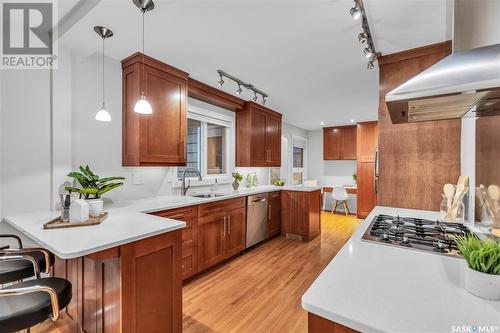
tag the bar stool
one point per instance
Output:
(22, 263)
(339, 194)
(26, 304)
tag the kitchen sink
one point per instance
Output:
(208, 195)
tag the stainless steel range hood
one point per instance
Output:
(450, 88)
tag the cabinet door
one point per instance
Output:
(273, 136)
(274, 214)
(210, 240)
(259, 153)
(235, 232)
(349, 143)
(300, 220)
(163, 133)
(332, 144)
(286, 211)
(366, 196)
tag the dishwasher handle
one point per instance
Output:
(258, 200)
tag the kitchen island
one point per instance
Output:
(127, 271)
(370, 287)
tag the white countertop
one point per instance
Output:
(373, 287)
(127, 222)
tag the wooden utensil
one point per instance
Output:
(459, 195)
(494, 195)
(464, 180)
(449, 191)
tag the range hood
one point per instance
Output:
(450, 88)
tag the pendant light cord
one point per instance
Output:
(103, 102)
(142, 79)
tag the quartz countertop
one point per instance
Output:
(372, 287)
(127, 222)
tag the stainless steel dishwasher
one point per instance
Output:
(257, 210)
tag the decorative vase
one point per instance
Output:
(95, 207)
(236, 184)
(482, 284)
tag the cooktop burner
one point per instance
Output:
(415, 233)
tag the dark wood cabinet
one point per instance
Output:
(339, 143)
(189, 237)
(258, 137)
(157, 139)
(301, 213)
(211, 236)
(274, 214)
(366, 151)
(235, 232)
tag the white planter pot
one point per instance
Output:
(95, 207)
(482, 284)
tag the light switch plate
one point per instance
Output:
(137, 178)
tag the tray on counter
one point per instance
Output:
(58, 223)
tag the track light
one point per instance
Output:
(239, 89)
(255, 97)
(370, 64)
(355, 12)
(363, 37)
(221, 82)
(369, 54)
(241, 84)
(263, 100)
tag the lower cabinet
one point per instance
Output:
(235, 238)
(274, 214)
(211, 240)
(301, 213)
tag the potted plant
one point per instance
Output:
(355, 177)
(92, 188)
(237, 179)
(482, 275)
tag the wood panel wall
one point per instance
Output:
(416, 160)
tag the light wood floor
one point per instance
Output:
(259, 291)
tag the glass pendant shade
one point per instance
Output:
(142, 106)
(103, 114)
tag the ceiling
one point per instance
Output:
(304, 54)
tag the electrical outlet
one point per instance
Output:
(137, 178)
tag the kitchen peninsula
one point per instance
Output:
(127, 272)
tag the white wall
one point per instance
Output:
(475, 24)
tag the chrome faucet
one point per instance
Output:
(184, 189)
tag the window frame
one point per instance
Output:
(205, 116)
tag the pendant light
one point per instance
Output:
(143, 106)
(103, 114)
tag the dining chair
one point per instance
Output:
(340, 197)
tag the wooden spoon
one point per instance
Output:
(494, 195)
(449, 191)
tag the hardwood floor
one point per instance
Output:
(261, 290)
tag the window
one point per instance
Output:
(209, 136)
(298, 161)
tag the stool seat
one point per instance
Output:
(12, 271)
(18, 312)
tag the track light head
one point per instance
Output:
(355, 12)
(239, 89)
(263, 100)
(221, 81)
(370, 64)
(255, 97)
(363, 37)
(369, 54)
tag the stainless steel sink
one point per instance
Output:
(208, 195)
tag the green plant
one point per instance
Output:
(237, 176)
(92, 186)
(278, 182)
(481, 255)
(355, 177)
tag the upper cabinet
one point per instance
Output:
(339, 143)
(258, 137)
(157, 139)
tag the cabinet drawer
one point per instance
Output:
(188, 215)
(274, 195)
(220, 207)
(189, 262)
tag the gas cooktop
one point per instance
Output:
(414, 233)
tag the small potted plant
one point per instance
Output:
(237, 179)
(92, 188)
(355, 178)
(482, 275)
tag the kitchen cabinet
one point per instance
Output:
(157, 139)
(258, 137)
(367, 134)
(189, 237)
(221, 231)
(339, 143)
(274, 214)
(301, 214)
